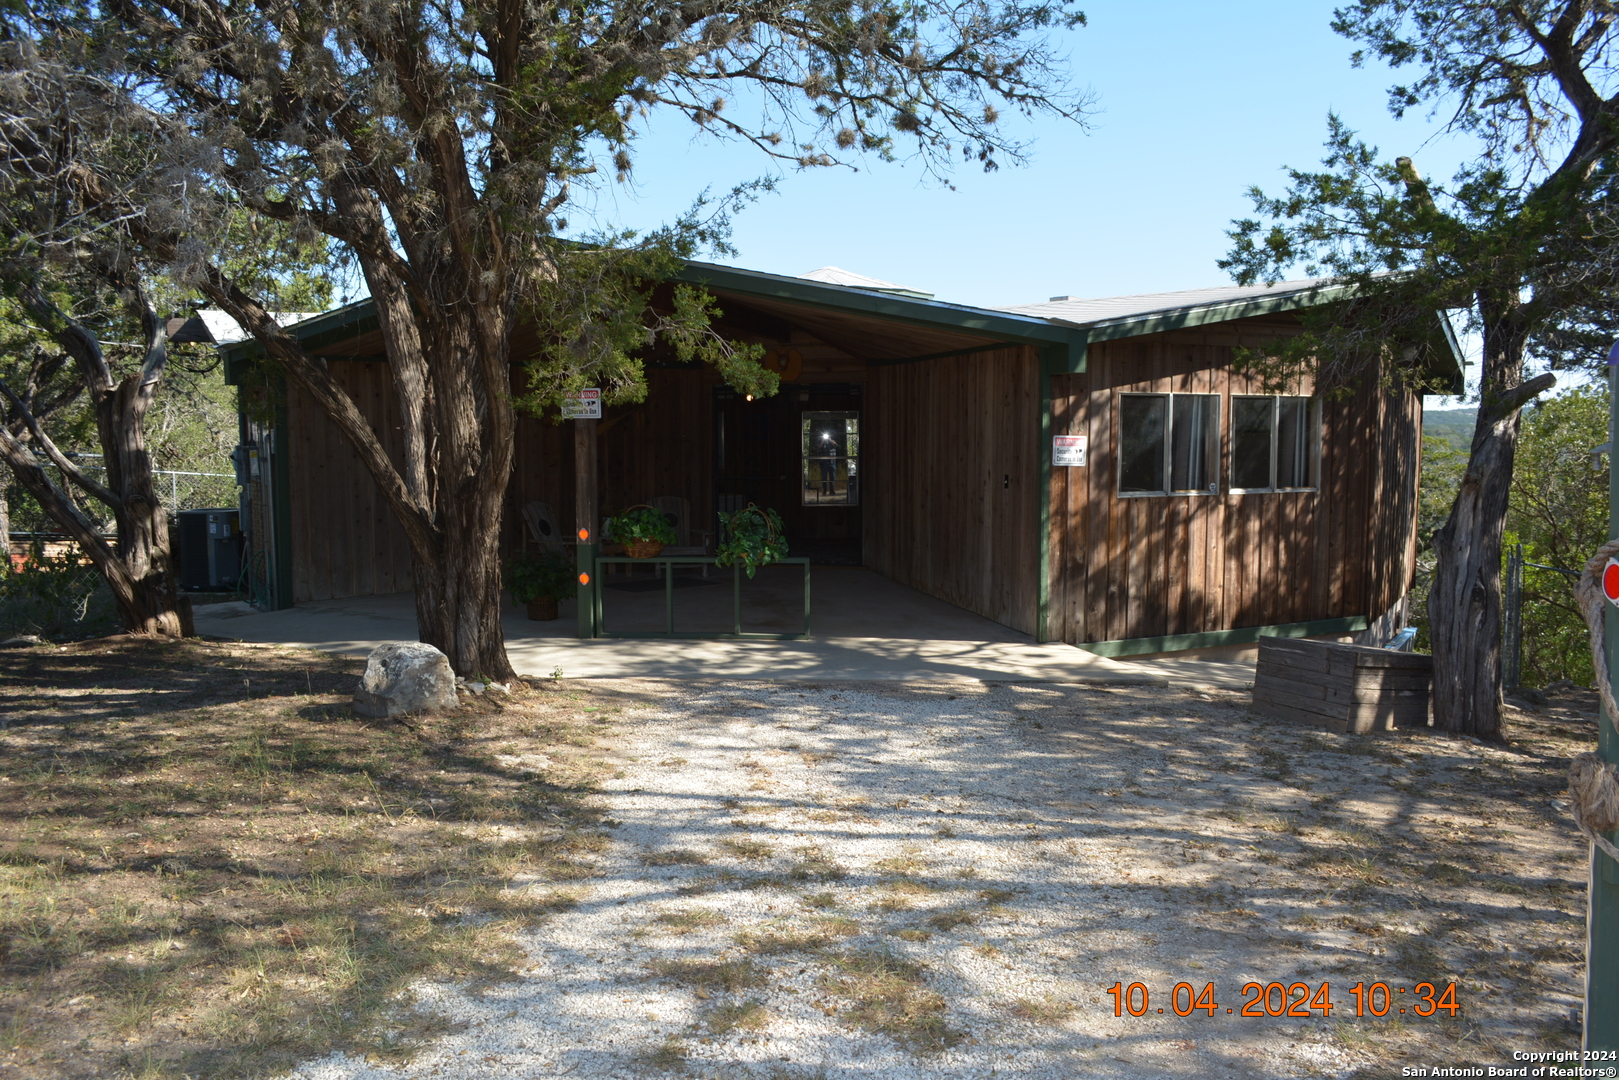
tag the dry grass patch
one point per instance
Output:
(746, 848)
(777, 940)
(888, 995)
(676, 857)
(948, 920)
(902, 865)
(709, 975)
(814, 864)
(749, 1015)
(1044, 1011)
(225, 873)
(686, 922)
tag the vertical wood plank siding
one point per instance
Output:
(951, 480)
(951, 488)
(1183, 564)
(345, 539)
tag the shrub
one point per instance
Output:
(57, 597)
(545, 573)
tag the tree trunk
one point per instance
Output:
(1464, 603)
(150, 600)
(458, 583)
(458, 600)
(450, 504)
(139, 571)
(5, 535)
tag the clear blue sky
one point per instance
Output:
(1196, 101)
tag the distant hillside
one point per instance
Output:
(1455, 426)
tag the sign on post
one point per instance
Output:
(582, 404)
(1068, 450)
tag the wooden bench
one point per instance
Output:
(1353, 688)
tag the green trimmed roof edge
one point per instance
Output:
(360, 317)
(917, 312)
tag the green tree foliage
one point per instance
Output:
(442, 147)
(1559, 513)
(1523, 237)
(87, 355)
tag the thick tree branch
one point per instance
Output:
(99, 492)
(52, 499)
(1506, 402)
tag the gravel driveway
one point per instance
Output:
(886, 881)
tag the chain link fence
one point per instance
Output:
(49, 590)
(178, 489)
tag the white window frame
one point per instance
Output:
(1312, 433)
(1169, 447)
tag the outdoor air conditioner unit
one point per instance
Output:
(210, 548)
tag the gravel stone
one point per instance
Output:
(1028, 846)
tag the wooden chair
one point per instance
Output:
(542, 526)
(678, 511)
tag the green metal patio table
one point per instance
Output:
(669, 562)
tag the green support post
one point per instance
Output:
(280, 466)
(588, 585)
(1601, 1027)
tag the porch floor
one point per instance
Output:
(865, 627)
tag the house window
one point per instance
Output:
(831, 445)
(1169, 444)
(1275, 443)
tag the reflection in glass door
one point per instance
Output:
(830, 450)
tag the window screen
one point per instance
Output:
(1273, 443)
(1194, 442)
(1141, 442)
(1253, 426)
(1168, 443)
(1294, 443)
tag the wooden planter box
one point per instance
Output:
(1351, 688)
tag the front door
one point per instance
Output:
(797, 453)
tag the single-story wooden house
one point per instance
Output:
(1087, 471)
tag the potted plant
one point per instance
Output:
(539, 579)
(753, 537)
(642, 530)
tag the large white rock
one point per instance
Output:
(405, 677)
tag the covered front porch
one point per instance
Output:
(905, 439)
(867, 628)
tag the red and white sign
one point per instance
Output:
(1068, 450)
(582, 404)
(1610, 581)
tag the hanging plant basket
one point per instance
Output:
(753, 538)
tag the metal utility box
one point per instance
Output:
(210, 548)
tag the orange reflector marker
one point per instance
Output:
(584, 536)
(584, 579)
(1610, 581)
